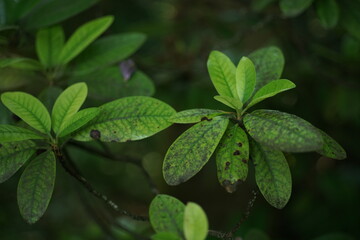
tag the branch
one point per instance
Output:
(76, 174)
(121, 158)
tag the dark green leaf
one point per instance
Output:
(127, 119)
(165, 236)
(222, 74)
(12, 78)
(196, 225)
(10, 133)
(18, 9)
(292, 8)
(272, 174)
(269, 64)
(328, 12)
(195, 115)
(331, 148)
(232, 157)
(20, 63)
(12, 156)
(107, 84)
(83, 37)
(191, 151)
(245, 79)
(29, 109)
(282, 131)
(49, 95)
(108, 50)
(49, 43)
(55, 11)
(36, 186)
(167, 214)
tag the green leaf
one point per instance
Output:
(18, 9)
(36, 186)
(269, 64)
(245, 79)
(195, 115)
(67, 104)
(331, 148)
(282, 131)
(232, 158)
(108, 50)
(20, 63)
(328, 12)
(167, 214)
(229, 101)
(108, 84)
(293, 8)
(54, 11)
(165, 236)
(12, 156)
(10, 133)
(127, 119)
(270, 90)
(29, 109)
(83, 36)
(79, 120)
(196, 225)
(272, 174)
(49, 43)
(222, 73)
(191, 151)
(350, 17)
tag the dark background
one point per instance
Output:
(325, 66)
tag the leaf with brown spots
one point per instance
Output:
(229, 156)
(272, 174)
(195, 115)
(191, 151)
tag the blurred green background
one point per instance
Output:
(323, 62)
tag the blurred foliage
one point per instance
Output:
(321, 57)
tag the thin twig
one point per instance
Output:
(121, 158)
(92, 190)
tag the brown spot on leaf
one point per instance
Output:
(237, 152)
(230, 187)
(205, 118)
(227, 164)
(239, 144)
(95, 134)
(244, 160)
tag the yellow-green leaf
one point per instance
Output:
(83, 36)
(229, 101)
(196, 225)
(245, 79)
(9, 133)
(222, 73)
(67, 104)
(29, 109)
(271, 89)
